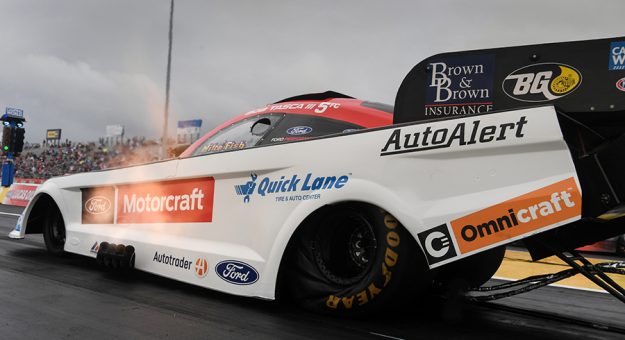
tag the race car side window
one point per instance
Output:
(301, 127)
(240, 135)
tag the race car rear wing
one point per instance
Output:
(584, 80)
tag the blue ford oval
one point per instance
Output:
(299, 130)
(236, 272)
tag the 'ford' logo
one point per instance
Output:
(97, 205)
(299, 130)
(236, 272)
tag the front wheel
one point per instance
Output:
(54, 231)
(353, 260)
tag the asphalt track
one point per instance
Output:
(71, 298)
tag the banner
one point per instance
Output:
(188, 131)
(13, 112)
(53, 134)
(114, 130)
(20, 194)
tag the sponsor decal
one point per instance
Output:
(247, 189)
(323, 107)
(166, 202)
(437, 244)
(97, 205)
(275, 186)
(617, 56)
(171, 260)
(95, 248)
(423, 137)
(620, 84)
(379, 283)
(525, 214)
(299, 130)
(177, 201)
(201, 267)
(542, 82)
(281, 107)
(218, 147)
(236, 272)
(287, 139)
(460, 86)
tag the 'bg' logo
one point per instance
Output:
(542, 82)
(437, 244)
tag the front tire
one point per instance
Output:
(54, 231)
(354, 259)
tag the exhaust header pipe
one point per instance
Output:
(116, 256)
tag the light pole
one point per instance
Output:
(165, 123)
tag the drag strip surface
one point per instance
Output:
(70, 297)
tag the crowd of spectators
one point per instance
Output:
(49, 160)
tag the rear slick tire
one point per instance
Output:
(473, 271)
(355, 260)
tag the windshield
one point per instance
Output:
(240, 135)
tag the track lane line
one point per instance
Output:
(10, 214)
(385, 336)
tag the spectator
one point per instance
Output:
(67, 158)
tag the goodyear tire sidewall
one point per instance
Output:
(388, 282)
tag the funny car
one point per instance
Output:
(351, 207)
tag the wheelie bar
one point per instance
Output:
(579, 265)
(596, 273)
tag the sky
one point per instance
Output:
(80, 65)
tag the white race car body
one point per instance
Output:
(223, 221)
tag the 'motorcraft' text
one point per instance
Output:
(147, 203)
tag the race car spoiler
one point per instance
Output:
(584, 80)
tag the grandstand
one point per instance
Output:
(46, 161)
